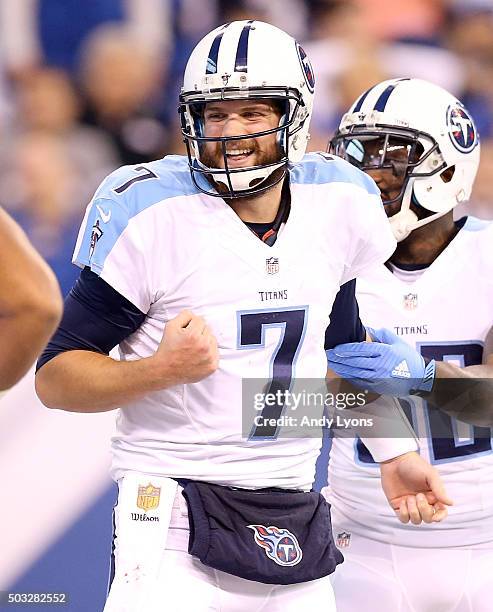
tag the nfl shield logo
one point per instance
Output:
(343, 539)
(148, 497)
(272, 265)
(411, 301)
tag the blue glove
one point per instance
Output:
(388, 365)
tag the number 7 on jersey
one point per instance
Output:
(252, 325)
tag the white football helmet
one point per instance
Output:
(440, 137)
(247, 60)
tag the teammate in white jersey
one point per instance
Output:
(30, 303)
(435, 293)
(206, 270)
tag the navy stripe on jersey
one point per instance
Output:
(241, 62)
(385, 95)
(112, 567)
(359, 103)
(214, 52)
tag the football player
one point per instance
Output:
(435, 293)
(30, 302)
(207, 269)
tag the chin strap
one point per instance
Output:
(403, 223)
(406, 221)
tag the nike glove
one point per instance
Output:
(388, 365)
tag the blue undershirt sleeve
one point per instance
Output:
(95, 318)
(345, 324)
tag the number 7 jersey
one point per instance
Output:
(166, 247)
(446, 312)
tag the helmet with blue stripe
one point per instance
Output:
(424, 136)
(247, 60)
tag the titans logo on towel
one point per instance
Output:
(280, 545)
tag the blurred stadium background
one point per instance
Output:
(88, 86)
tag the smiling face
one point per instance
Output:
(231, 118)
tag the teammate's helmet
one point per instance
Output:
(436, 130)
(247, 60)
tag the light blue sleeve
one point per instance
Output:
(123, 195)
(109, 240)
(321, 168)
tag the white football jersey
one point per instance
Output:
(166, 247)
(446, 312)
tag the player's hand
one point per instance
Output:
(414, 489)
(188, 351)
(388, 365)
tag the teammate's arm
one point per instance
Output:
(391, 434)
(412, 486)
(464, 393)
(30, 302)
(414, 489)
(391, 366)
(77, 374)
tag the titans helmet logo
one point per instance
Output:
(280, 545)
(306, 67)
(461, 129)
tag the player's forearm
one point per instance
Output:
(379, 422)
(383, 427)
(464, 393)
(30, 302)
(26, 280)
(22, 338)
(84, 381)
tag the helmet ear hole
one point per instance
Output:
(447, 174)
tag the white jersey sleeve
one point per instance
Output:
(376, 243)
(360, 222)
(111, 245)
(115, 243)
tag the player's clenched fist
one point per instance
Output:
(188, 351)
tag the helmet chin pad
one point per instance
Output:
(245, 180)
(406, 220)
(402, 224)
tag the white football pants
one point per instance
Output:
(155, 573)
(381, 577)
